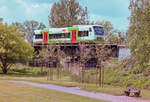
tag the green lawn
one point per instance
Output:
(12, 92)
(115, 90)
(34, 75)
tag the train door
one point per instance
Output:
(74, 36)
(45, 39)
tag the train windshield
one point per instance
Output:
(99, 30)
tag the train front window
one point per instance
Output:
(98, 30)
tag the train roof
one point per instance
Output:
(60, 29)
(72, 26)
(85, 25)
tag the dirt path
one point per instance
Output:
(77, 91)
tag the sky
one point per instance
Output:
(115, 11)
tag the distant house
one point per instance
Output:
(124, 52)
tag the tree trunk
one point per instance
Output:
(5, 70)
(83, 75)
(51, 73)
(57, 73)
(42, 69)
(60, 72)
(100, 75)
(48, 72)
(96, 76)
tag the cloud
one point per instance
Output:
(115, 11)
(107, 7)
(3, 10)
(21, 10)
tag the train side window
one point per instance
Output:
(83, 33)
(90, 29)
(62, 35)
(67, 35)
(59, 35)
(38, 36)
(86, 33)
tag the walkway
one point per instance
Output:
(77, 91)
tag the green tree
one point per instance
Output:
(102, 54)
(28, 27)
(85, 54)
(51, 54)
(139, 32)
(112, 39)
(47, 55)
(66, 13)
(1, 20)
(13, 47)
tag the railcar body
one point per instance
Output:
(74, 34)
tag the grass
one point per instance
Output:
(113, 81)
(63, 82)
(109, 89)
(106, 89)
(12, 92)
(21, 71)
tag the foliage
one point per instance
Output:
(28, 27)
(28, 71)
(85, 52)
(113, 39)
(139, 32)
(44, 55)
(13, 47)
(66, 13)
(1, 20)
(115, 78)
(135, 81)
(50, 55)
(102, 53)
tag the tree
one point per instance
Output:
(42, 58)
(112, 39)
(51, 54)
(66, 13)
(13, 47)
(88, 51)
(102, 54)
(1, 20)
(85, 50)
(139, 32)
(47, 55)
(28, 27)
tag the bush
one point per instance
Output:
(135, 81)
(76, 78)
(111, 77)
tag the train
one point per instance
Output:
(74, 34)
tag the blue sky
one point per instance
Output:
(115, 11)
